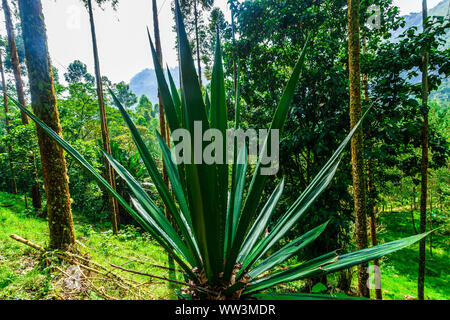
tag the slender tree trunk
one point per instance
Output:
(424, 165)
(371, 192)
(357, 141)
(43, 102)
(14, 58)
(431, 220)
(373, 226)
(197, 40)
(164, 129)
(5, 106)
(412, 213)
(108, 171)
(35, 187)
(233, 33)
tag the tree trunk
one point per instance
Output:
(431, 220)
(43, 102)
(413, 221)
(371, 192)
(164, 129)
(424, 165)
(357, 140)
(108, 172)
(35, 188)
(197, 40)
(233, 37)
(14, 58)
(5, 106)
(373, 226)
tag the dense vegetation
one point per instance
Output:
(230, 231)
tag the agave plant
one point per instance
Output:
(218, 234)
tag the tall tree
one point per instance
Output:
(371, 194)
(5, 107)
(43, 102)
(195, 8)
(424, 164)
(35, 188)
(108, 172)
(14, 58)
(354, 50)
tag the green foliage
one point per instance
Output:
(211, 233)
(23, 274)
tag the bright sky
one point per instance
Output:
(122, 38)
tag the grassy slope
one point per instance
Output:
(399, 270)
(23, 277)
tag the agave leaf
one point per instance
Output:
(163, 90)
(228, 242)
(143, 220)
(208, 105)
(179, 110)
(175, 96)
(261, 222)
(287, 251)
(286, 222)
(174, 178)
(202, 178)
(183, 220)
(324, 265)
(146, 204)
(218, 120)
(302, 296)
(150, 164)
(258, 182)
(235, 208)
(306, 199)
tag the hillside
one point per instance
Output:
(145, 83)
(415, 19)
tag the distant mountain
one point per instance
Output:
(145, 83)
(415, 19)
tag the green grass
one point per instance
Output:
(399, 270)
(23, 275)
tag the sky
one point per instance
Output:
(122, 36)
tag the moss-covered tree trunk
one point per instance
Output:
(357, 141)
(35, 187)
(108, 172)
(43, 102)
(424, 164)
(6, 109)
